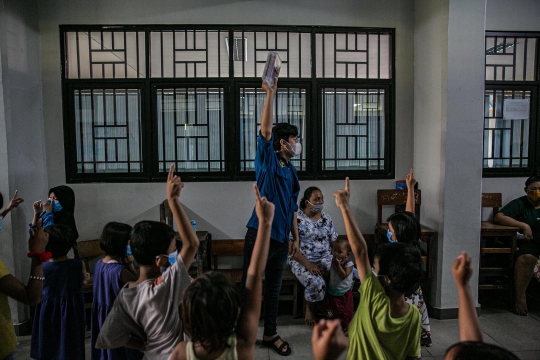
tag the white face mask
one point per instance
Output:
(315, 208)
(295, 149)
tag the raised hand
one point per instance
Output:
(342, 196)
(47, 206)
(38, 238)
(461, 270)
(410, 180)
(15, 201)
(328, 340)
(38, 207)
(128, 260)
(263, 207)
(270, 90)
(174, 184)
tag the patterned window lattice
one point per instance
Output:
(108, 130)
(289, 106)
(105, 54)
(353, 129)
(189, 54)
(191, 129)
(510, 58)
(506, 142)
(182, 85)
(294, 50)
(357, 55)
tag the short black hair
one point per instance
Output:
(60, 239)
(150, 239)
(114, 238)
(209, 310)
(402, 263)
(341, 241)
(406, 227)
(307, 195)
(532, 179)
(283, 131)
(474, 350)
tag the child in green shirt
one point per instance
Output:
(384, 326)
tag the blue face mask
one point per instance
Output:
(389, 236)
(172, 257)
(1, 218)
(56, 207)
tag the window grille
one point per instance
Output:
(138, 98)
(510, 144)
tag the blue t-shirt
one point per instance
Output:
(278, 181)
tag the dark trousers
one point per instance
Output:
(275, 266)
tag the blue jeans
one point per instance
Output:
(275, 266)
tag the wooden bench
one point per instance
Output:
(235, 248)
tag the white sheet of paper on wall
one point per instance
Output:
(516, 109)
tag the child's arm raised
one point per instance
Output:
(356, 240)
(411, 181)
(14, 202)
(249, 315)
(31, 293)
(190, 241)
(469, 327)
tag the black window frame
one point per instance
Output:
(312, 137)
(533, 160)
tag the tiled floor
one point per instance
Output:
(520, 334)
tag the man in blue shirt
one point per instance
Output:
(278, 182)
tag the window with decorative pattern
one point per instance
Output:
(511, 103)
(140, 98)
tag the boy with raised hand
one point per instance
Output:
(145, 313)
(384, 325)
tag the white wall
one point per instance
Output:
(22, 149)
(222, 208)
(509, 15)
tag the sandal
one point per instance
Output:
(272, 345)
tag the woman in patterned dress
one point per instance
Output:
(316, 231)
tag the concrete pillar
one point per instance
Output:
(448, 127)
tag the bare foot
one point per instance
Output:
(521, 306)
(310, 316)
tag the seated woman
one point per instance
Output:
(316, 231)
(524, 212)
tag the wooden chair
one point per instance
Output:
(87, 251)
(399, 197)
(497, 248)
(203, 258)
(235, 247)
